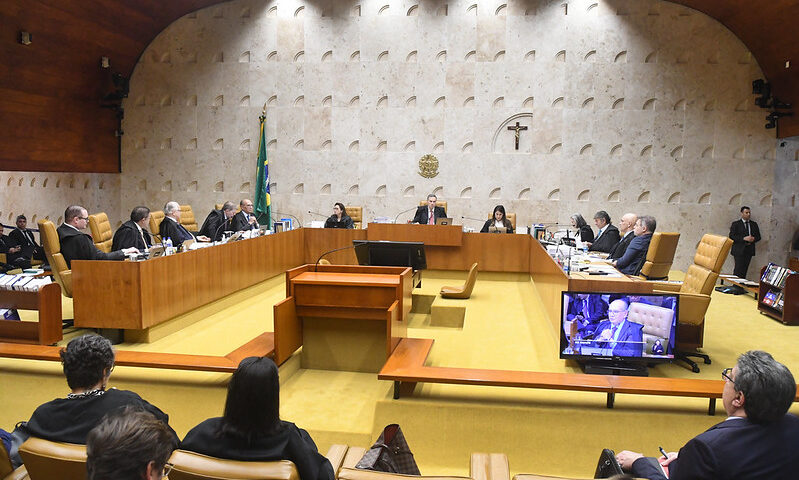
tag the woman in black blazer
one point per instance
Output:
(498, 219)
(339, 219)
(578, 222)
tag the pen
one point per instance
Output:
(663, 452)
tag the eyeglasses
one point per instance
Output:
(167, 469)
(725, 374)
(83, 218)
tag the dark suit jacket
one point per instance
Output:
(633, 259)
(128, 236)
(212, 226)
(346, 222)
(76, 245)
(605, 242)
(490, 223)
(737, 234)
(630, 332)
(240, 222)
(30, 249)
(421, 214)
(173, 230)
(597, 310)
(735, 449)
(618, 250)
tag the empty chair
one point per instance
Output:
(187, 218)
(657, 322)
(156, 217)
(464, 291)
(52, 250)
(660, 255)
(46, 460)
(356, 214)
(7, 471)
(101, 231)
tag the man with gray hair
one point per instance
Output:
(171, 227)
(633, 259)
(759, 439)
(213, 225)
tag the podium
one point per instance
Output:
(345, 317)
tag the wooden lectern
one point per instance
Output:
(346, 317)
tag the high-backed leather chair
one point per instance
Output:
(660, 255)
(439, 203)
(694, 292)
(7, 471)
(356, 214)
(464, 291)
(46, 460)
(656, 320)
(102, 234)
(52, 250)
(194, 466)
(156, 217)
(510, 216)
(187, 218)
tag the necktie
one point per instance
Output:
(430, 218)
(748, 232)
(144, 240)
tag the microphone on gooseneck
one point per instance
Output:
(216, 233)
(404, 211)
(317, 213)
(475, 219)
(292, 216)
(316, 265)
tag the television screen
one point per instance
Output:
(390, 254)
(618, 326)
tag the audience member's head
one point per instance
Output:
(578, 221)
(129, 444)
(76, 216)
(253, 399)
(22, 222)
(627, 222)
(172, 209)
(764, 387)
(601, 218)
(88, 361)
(140, 215)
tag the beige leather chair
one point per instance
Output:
(187, 218)
(52, 250)
(660, 255)
(532, 476)
(156, 217)
(439, 203)
(101, 231)
(464, 291)
(356, 214)
(656, 321)
(694, 292)
(7, 472)
(194, 466)
(46, 460)
(511, 217)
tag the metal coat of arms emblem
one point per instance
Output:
(428, 166)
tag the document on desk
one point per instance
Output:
(605, 270)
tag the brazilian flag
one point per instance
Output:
(263, 201)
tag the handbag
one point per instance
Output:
(607, 466)
(390, 453)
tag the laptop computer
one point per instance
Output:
(156, 252)
(444, 221)
(493, 229)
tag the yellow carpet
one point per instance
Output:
(546, 432)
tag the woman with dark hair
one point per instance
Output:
(251, 429)
(88, 361)
(497, 220)
(578, 222)
(339, 219)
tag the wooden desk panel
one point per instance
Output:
(494, 252)
(320, 240)
(438, 235)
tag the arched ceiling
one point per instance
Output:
(50, 90)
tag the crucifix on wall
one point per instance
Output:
(516, 130)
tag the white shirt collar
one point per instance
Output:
(72, 226)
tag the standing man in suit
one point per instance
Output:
(76, 245)
(245, 219)
(607, 236)
(758, 439)
(132, 233)
(171, 227)
(626, 225)
(25, 239)
(428, 214)
(633, 259)
(744, 234)
(616, 335)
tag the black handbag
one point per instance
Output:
(607, 466)
(390, 453)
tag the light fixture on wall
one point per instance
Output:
(104, 62)
(25, 38)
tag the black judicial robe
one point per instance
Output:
(128, 236)
(76, 245)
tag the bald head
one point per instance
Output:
(627, 222)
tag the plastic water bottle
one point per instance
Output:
(168, 246)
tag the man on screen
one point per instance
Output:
(617, 336)
(588, 311)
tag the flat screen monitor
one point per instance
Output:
(618, 327)
(390, 254)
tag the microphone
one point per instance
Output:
(290, 215)
(216, 233)
(317, 213)
(404, 211)
(316, 265)
(475, 219)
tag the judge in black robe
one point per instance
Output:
(76, 245)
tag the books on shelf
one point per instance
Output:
(775, 275)
(22, 283)
(774, 298)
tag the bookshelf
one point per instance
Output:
(779, 294)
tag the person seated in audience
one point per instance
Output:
(586, 234)
(245, 220)
(218, 222)
(339, 219)
(587, 310)
(76, 245)
(133, 232)
(498, 220)
(10, 248)
(633, 259)
(428, 214)
(129, 444)
(618, 336)
(88, 361)
(172, 229)
(758, 439)
(25, 239)
(251, 429)
(626, 225)
(606, 237)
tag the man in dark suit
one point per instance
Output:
(633, 259)
(132, 233)
(626, 225)
(30, 250)
(172, 229)
(76, 245)
(606, 237)
(744, 234)
(219, 221)
(588, 311)
(245, 219)
(617, 336)
(428, 214)
(10, 248)
(758, 439)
